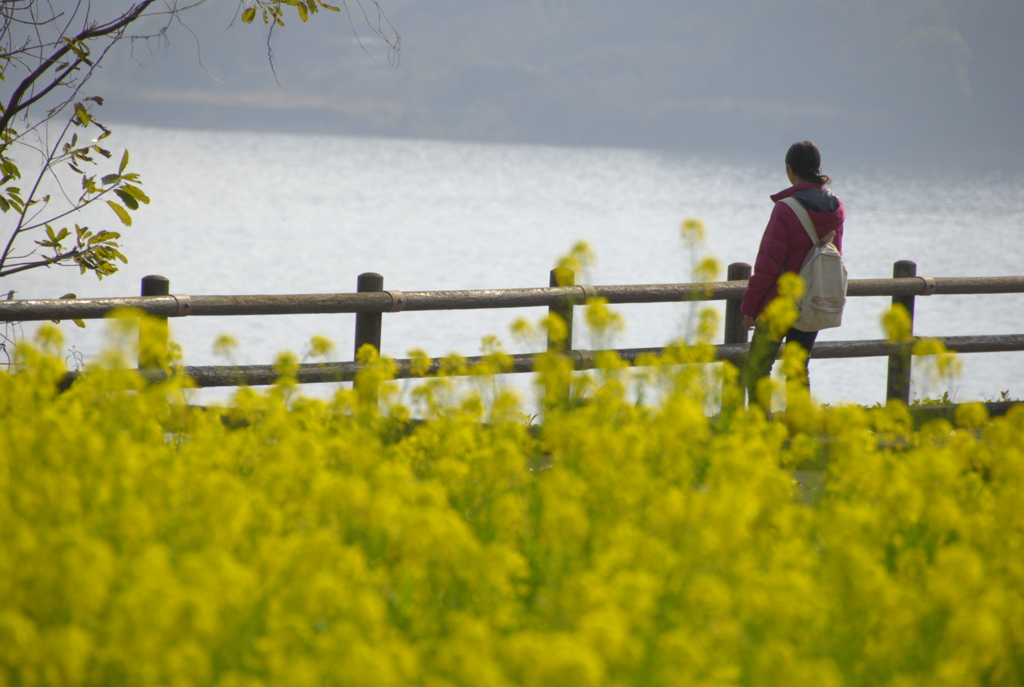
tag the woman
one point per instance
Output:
(783, 247)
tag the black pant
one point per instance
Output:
(764, 348)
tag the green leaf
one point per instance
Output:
(4, 205)
(248, 15)
(124, 163)
(79, 323)
(10, 169)
(83, 115)
(68, 296)
(110, 179)
(136, 193)
(303, 12)
(79, 48)
(105, 237)
(121, 213)
(127, 199)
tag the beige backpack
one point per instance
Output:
(824, 276)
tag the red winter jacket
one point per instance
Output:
(785, 242)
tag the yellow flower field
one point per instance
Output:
(288, 541)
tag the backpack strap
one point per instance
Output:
(805, 219)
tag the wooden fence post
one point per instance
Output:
(153, 330)
(560, 393)
(735, 332)
(562, 276)
(898, 383)
(368, 324)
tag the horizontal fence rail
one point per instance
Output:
(472, 299)
(319, 373)
(371, 301)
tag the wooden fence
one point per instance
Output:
(371, 301)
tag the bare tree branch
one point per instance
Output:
(49, 56)
(15, 104)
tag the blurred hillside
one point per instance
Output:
(895, 83)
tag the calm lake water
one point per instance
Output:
(243, 213)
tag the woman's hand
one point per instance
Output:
(748, 322)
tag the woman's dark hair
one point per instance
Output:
(804, 159)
